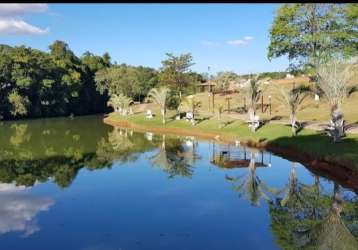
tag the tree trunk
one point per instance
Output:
(163, 115)
(163, 142)
(293, 124)
(252, 118)
(337, 124)
(337, 199)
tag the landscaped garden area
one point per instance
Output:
(183, 127)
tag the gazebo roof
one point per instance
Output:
(209, 83)
(240, 163)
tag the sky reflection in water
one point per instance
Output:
(79, 184)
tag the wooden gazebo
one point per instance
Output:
(206, 86)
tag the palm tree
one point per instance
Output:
(220, 111)
(161, 158)
(160, 97)
(119, 139)
(293, 99)
(120, 103)
(333, 80)
(293, 193)
(331, 232)
(251, 185)
(192, 104)
(253, 90)
(171, 159)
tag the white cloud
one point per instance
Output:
(248, 38)
(16, 9)
(244, 41)
(19, 27)
(12, 24)
(209, 43)
(18, 209)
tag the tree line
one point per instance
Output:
(35, 83)
(56, 83)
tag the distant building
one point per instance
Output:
(206, 86)
(289, 76)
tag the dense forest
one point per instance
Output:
(40, 84)
(35, 83)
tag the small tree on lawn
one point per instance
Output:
(120, 103)
(253, 91)
(192, 104)
(159, 95)
(333, 80)
(220, 111)
(293, 100)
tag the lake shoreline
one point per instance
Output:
(340, 170)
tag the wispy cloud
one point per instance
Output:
(16, 9)
(244, 41)
(209, 43)
(11, 22)
(19, 27)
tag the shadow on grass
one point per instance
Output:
(335, 161)
(225, 124)
(201, 119)
(240, 110)
(320, 146)
(351, 126)
(276, 118)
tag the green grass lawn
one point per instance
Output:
(308, 141)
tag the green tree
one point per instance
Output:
(293, 99)
(175, 72)
(159, 95)
(224, 79)
(253, 91)
(333, 81)
(134, 82)
(120, 103)
(310, 33)
(191, 104)
(18, 103)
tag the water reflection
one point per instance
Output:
(304, 213)
(175, 157)
(18, 209)
(308, 219)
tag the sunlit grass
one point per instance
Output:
(307, 141)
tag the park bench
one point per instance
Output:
(255, 123)
(189, 117)
(149, 114)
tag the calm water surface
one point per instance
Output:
(80, 184)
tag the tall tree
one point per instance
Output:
(176, 71)
(310, 33)
(224, 79)
(134, 82)
(333, 81)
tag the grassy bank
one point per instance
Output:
(307, 147)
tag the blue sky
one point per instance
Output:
(223, 36)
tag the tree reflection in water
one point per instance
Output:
(293, 198)
(174, 158)
(302, 216)
(250, 185)
(313, 222)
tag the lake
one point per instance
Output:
(80, 184)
